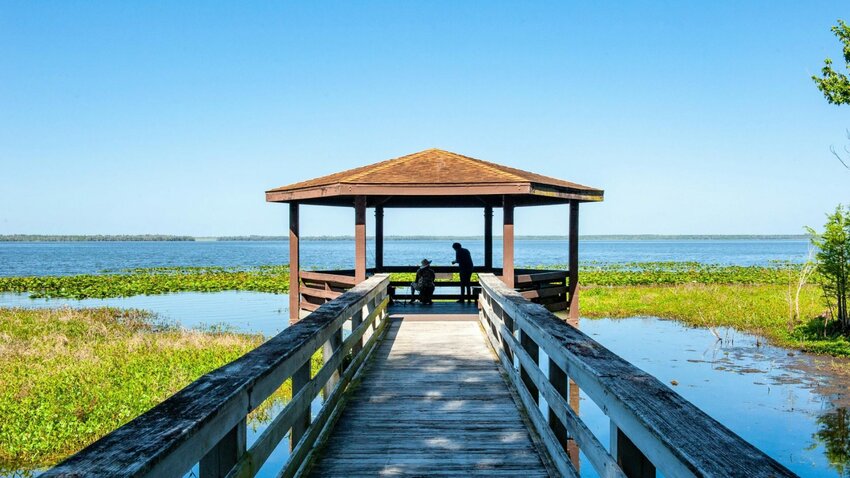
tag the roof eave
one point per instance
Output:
(518, 188)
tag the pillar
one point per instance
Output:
(573, 273)
(488, 237)
(508, 242)
(379, 237)
(360, 238)
(294, 265)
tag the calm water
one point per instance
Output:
(788, 404)
(64, 258)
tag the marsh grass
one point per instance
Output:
(273, 279)
(761, 309)
(68, 376)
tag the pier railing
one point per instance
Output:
(547, 287)
(652, 427)
(205, 423)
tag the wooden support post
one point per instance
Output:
(328, 349)
(573, 278)
(360, 238)
(508, 242)
(631, 460)
(300, 378)
(224, 455)
(379, 238)
(488, 237)
(294, 265)
(533, 350)
(574, 402)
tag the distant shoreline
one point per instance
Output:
(601, 237)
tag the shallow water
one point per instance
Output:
(65, 258)
(790, 405)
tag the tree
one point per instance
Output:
(834, 85)
(833, 262)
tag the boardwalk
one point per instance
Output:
(432, 403)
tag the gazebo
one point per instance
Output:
(433, 178)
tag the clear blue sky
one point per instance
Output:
(174, 117)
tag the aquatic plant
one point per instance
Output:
(274, 279)
(68, 377)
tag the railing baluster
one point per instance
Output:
(559, 379)
(632, 461)
(218, 461)
(299, 379)
(533, 351)
(328, 349)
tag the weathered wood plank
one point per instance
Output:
(335, 279)
(431, 403)
(589, 444)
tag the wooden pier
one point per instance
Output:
(485, 389)
(432, 399)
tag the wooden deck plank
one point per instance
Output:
(432, 403)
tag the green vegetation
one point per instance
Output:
(68, 377)
(834, 85)
(758, 309)
(71, 376)
(162, 280)
(833, 263)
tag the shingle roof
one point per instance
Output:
(431, 172)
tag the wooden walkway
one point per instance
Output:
(432, 403)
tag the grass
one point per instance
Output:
(761, 309)
(68, 377)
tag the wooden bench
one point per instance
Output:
(441, 280)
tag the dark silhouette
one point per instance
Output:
(424, 283)
(463, 259)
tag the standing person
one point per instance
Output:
(463, 259)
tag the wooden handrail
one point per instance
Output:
(652, 426)
(205, 422)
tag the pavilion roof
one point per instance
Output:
(434, 178)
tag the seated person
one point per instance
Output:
(424, 283)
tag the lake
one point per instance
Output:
(68, 258)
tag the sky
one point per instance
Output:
(175, 117)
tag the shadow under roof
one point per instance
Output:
(434, 178)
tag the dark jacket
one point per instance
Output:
(425, 277)
(463, 259)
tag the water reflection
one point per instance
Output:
(834, 436)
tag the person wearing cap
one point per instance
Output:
(463, 259)
(424, 283)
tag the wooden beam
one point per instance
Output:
(379, 238)
(488, 237)
(508, 242)
(294, 265)
(573, 272)
(360, 238)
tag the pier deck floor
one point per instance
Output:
(431, 403)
